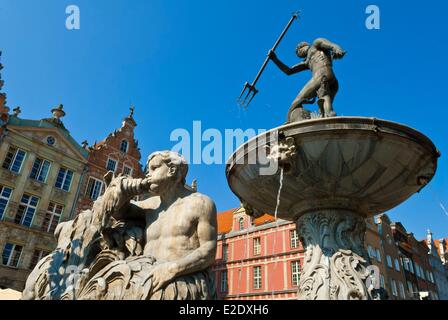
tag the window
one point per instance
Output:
(26, 210)
(295, 273)
(94, 188)
(378, 255)
(382, 283)
(14, 159)
(5, 194)
(402, 292)
(411, 266)
(241, 223)
(127, 171)
(394, 287)
(257, 277)
(111, 164)
(417, 270)
(294, 238)
(64, 179)
(225, 251)
(389, 261)
(52, 217)
(11, 255)
(40, 170)
(257, 246)
(124, 146)
(224, 281)
(405, 263)
(431, 277)
(37, 256)
(371, 251)
(397, 265)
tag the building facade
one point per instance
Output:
(384, 254)
(256, 258)
(42, 168)
(437, 266)
(119, 153)
(262, 258)
(419, 275)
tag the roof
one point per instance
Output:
(225, 220)
(45, 123)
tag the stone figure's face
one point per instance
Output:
(160, 176)
(302, 52)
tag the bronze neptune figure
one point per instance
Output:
(319, 59)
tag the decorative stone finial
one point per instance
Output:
(3, 107)
(1, 67)
(58, 112)
(429, 236)
(129, 120)
(16, 111)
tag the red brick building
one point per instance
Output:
(119, 152)
(261, 258)
(256, 258)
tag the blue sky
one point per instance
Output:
(180, 61)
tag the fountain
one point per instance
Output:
(335, 172)
(343, 170)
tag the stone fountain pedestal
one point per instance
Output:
(336, 173)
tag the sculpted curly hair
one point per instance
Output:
(172, 159)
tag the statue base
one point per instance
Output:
(335, 264)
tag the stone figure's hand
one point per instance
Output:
(161, 275)
(110, 200)
(114, 199)
(338, 53)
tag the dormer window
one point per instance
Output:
(124, 146)
(241, 223)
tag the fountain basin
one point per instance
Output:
(365, 165)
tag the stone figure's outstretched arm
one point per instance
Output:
(324, 44)
(287, 70)
(204, 256)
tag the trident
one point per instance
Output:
(250, 87)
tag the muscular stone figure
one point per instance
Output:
(323, 84)
(180, 236)
(159, 248)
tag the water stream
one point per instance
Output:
(276, 227)
(246, 239)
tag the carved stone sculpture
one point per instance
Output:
(335, 258)
(159, 248)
